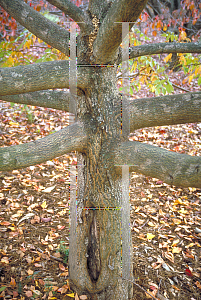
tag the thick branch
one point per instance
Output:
(171, 167)
(71, 138)
(159, 48)
(109, 36)
(40, 76)
(40, 26)
(165, 110)
(74, 13)
(50, 99)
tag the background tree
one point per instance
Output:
(95, 262)
(178, 15)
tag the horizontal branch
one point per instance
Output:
(46, 30)
(39, 76)
(160, 48)
(30, 78)
(49, 99)
(71, 138)
(109, 36)
(165, 110)
(171, 167)
(74, 13)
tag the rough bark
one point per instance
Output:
(99, 8)
(40, 76)
(69, 139)
(46, 30)
(96, 270)
(165, 110)
(171, 167)
(74, 13)
(51, 99)
(159, 48)
(109, 35)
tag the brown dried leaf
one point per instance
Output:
(83, 297)
(30, 272)
(29, 294)
(61, 267)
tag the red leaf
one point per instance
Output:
(188, 272)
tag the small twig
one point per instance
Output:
(51, 256)
(159, 285)
(180, 88)
(128, 77)
(140, 287)
(144, 224)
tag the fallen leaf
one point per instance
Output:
(150, 236)
(176, 288)
(49, 189)
(151, 224)
(76, 297)
(12, 282)
(45, 220)
(15, 294)
(176, 221)
(151, 294)
(196, 274)
(71, 295)
(5, 260)
(41, 281)
(156, 265)
(26, 217)
(175, 242)
(62, 290)
(5, 223)
(44, 204)
(169, 256)
(30, 272)
(190, 245)
(64, 273)
(61, 267)
(197, 283)
(188, 273)
(2, 288)
(38, 265)
(60, 227)
(176, 250)
(29, 294)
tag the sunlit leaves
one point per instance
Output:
(26, 49)
(168, 57)
(152, 71)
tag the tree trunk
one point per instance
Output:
(95, 254)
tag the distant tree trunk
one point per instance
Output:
(175, 4)
(95, 270)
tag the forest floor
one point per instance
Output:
(34, 217)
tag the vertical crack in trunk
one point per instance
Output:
(93, 250)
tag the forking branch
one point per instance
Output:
(109, 36)
(74, 13)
